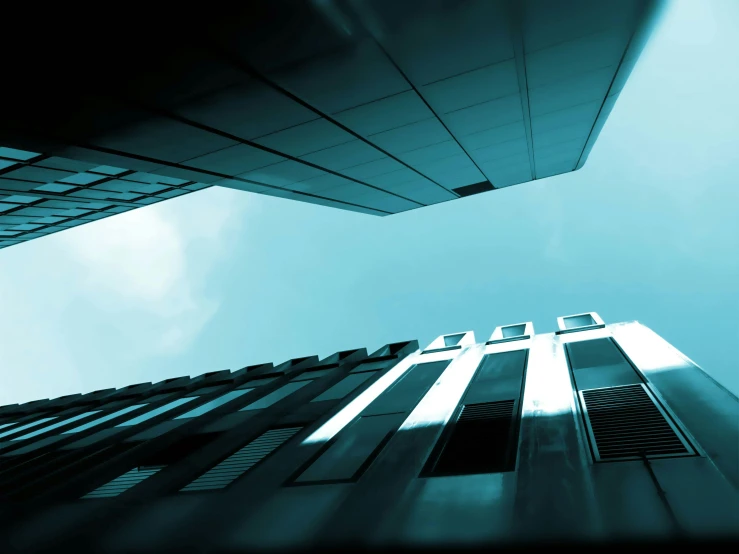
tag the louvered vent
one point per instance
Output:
(480, 441)
(124, 482)
(626, 423)
(243, 460)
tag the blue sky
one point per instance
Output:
(647, 230)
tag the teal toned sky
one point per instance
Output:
(647, 230)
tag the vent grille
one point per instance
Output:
(487, 410)
(480, 441)
(626, 423)
(124, 482)
(242, 461)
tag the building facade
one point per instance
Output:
(366, 105)
(593, 433)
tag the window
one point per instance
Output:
(453, 340)
(343, 387)
(26, 426)
(575, 321)
(599, 363)
(482, 436)
(258, 382)
(369, 366)
(101, 420)
(479, 441)
(407, 391)
(213, 404)
(56, 425)
(355, 448)
(233, 467)
(310, 375)
(513, 331)
(276, 396)
(155, 412)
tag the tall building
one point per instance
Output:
(374, 106)
(593, 433)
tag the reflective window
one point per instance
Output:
(513, 331)
(453, 340)
(153, 413)
(56, 425)
(103, 419)
(578, 321)
(213, 404)
(26, 426)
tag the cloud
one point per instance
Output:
(143, 259)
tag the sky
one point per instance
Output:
(648, 230)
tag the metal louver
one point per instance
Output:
(243, 460)
(124, 482)
(626, 423)
(480, 441)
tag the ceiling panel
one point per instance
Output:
(283, 174)
(495, 135)
(561, 134)
(461, 177)
(373, 169)
(410, 137)
(164, 139)
(317, 185)
(547, 24)
(432, 153)
(434, 43)
(484, 116)
(423, 191)
(511, 174)
(581, 114)
(248, 111)
(387, 113)
(474, 87)
(501, 150)
(575, 90)
(344, 79)
(306, 138)
(345, 155)
(386, 180)
(235, 160)
(573, 57)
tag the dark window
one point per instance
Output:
(275, 396)
(346, 458)
(407, 391)
(625, 423)
(482, 436)
(233, 467)
(309, 375)
(343, 387)
(476, 188)
(258, 382)
(480, 441)
(369, 366)
(599, 363)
